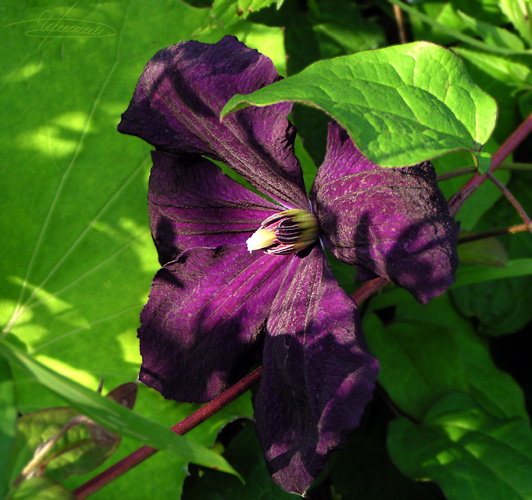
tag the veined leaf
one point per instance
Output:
(401, 105)
(469, 453)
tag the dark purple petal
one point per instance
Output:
(192, 204)
(202, 321)
(177, 103)
(388, 222)
(317, 373)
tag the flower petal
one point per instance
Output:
(390, 222)
(317, 373)
(177, 103)
(202, 321)
(192, 204)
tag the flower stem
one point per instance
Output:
(456, 173)
(495, 232)
(457, 200)
(196, 418)
(199, 416)
(369, 288)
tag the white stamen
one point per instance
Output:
(262, 238)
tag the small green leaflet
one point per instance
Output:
(401, 105)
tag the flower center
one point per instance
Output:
(285, 232)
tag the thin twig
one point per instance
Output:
(495, 232)
(456, 173)
(457, 200)
(511, 199)
(398, 13)
(369, 288)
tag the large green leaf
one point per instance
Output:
(401, 105)
(112, 415)
(468, 452)
(465, 275)
(78, 262)
(431, 351)
(8, 419)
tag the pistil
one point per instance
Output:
(285, 232)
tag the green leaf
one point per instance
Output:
(502, 306)
(40, 488)
(477, 274)
(431, 351)
(245, 453)
(483, 162)
(401, 105)
(228, 12)
(341, 29)
(419, 363)
(8, 419)
(78, 263)
(71, 451)
(493, 35)
(519, 13)
(515, 74)
(114, 416)
(456, 34)
(487, 252)
(465, 275)
(269, 40)
(467, 451)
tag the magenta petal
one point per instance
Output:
(317, 373)
(192, 204)
(390, 222)
(203, 319)
(177, 103)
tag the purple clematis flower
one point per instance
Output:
(245, 280)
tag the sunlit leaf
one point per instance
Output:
(515, 74)
(228, 12)
(69, 448)
(458, 35)
(498, 37)
(519, 12)
(8, 419)
(468, 452)
(401, 105)
(77, 265)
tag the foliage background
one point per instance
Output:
(77, 258)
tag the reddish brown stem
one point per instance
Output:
(457, 200)
(398, 13)
(495, 232)
(511, 199)
(199, 416)
(368, 288)
(182, 427)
